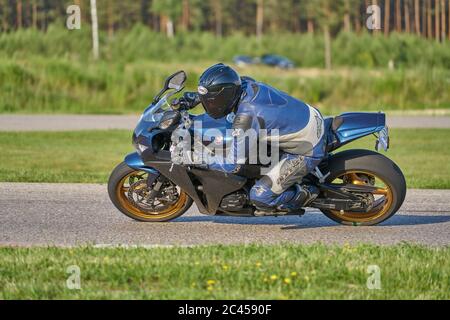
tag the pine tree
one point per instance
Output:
(407, 17)
(437, 24)
(170, 11)
(387, 16)
(417, 17)
(398, 16)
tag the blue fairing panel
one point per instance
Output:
(207, 122)
(359, 124)
(134, 160)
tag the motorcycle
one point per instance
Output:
(357, 187)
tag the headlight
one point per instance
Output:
(166, 124)
(169, 119)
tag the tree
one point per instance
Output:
(328, 15)
(357, 16)
(259, 18)
(398, 16)
(444, 25)
(170, 11)
(95, 45)
(407, 18)
(19, 14)
(417, 17)
(4, 12)
(429, 21)
(296, 16)
(34, 14)
(437, 24)
(347, 16)
(310, 8)
(185, 15)
(375, 3)
(218, 17)
(111, 18)
(387, 16)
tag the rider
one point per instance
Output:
(256, 105)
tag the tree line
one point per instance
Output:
(426, 18)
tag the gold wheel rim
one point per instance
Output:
(376, 212)
(121, 191)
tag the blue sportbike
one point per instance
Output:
(357, 187)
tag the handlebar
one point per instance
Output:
(188, 101)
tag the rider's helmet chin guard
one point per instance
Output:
(219, 89)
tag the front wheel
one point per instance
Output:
(129, 192)
(366, 167)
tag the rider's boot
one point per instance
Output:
(305, 194)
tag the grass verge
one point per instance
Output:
(53, 71)
(227, 272)
(90, 156)
(58, 85)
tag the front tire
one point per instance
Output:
(127, 190)
(370, 168)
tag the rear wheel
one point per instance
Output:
(364, 167)
(129, 192)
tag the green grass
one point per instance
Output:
(87, 156)
(58, 85)
(227, 272)
(53, 72)
(90, 156)
(140, 43)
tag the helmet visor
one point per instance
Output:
(218, 100)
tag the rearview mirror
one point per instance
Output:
(177, 80)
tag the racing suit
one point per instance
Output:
(300, 137)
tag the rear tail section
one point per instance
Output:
(350, 126)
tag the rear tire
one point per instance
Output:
(370, 163)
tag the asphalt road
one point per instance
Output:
(74, 214)
(128, 122)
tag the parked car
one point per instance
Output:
(277, 61)
(243, 61)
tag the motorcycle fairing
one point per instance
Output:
(350, 126)
(215, 184)
(134, 160)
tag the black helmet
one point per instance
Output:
(219, 89)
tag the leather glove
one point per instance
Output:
(188, 101)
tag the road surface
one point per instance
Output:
(80, 214)
(128, 122)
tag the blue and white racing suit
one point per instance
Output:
(300, 136)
